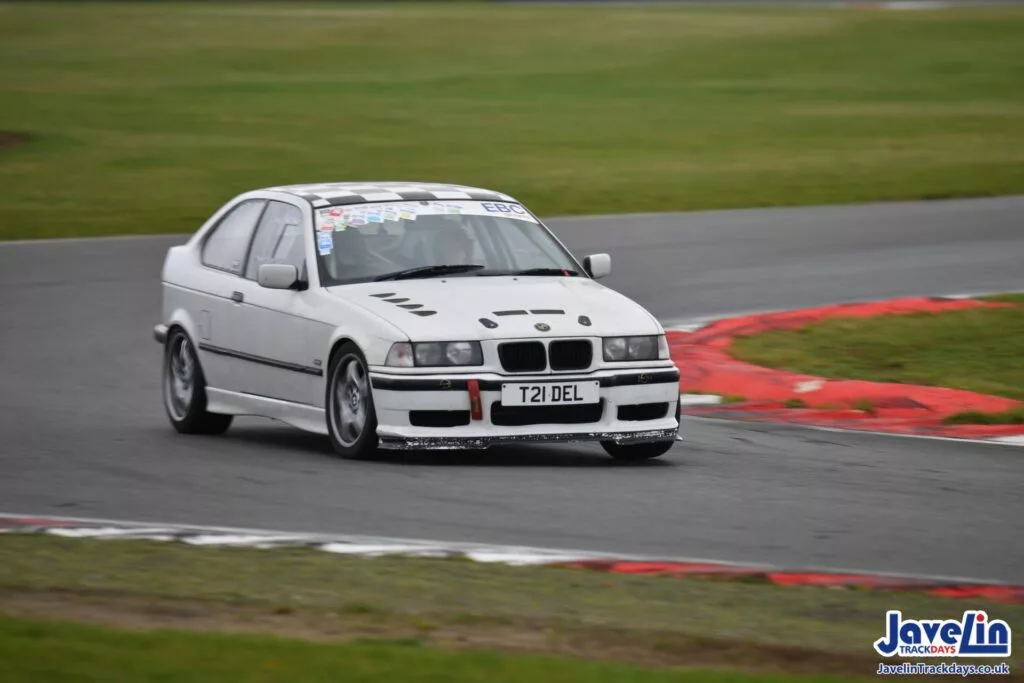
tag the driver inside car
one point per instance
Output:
(451, 246)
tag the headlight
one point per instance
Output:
(434, 354)
(620, 349)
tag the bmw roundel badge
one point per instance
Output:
(543, 327)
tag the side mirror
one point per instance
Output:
(277, 275)
(598, 265)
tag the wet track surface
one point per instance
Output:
(84, 432)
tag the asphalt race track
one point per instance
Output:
(84, 433)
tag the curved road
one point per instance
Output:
(84, 432)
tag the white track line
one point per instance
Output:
(376, 545)
(993, 441)
(102, 238)
(694, 323)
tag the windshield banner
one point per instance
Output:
(341, 217)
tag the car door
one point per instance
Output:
(277, 325)
(213, 302)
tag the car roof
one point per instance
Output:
(337, 193)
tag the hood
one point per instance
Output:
(445, 309)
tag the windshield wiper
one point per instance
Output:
(428, 270)
(544, 271)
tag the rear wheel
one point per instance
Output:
(185, 389)
(641, 451)
(351, 419)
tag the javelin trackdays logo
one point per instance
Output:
(973, 636)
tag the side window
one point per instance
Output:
(279, 239)
(226, 246)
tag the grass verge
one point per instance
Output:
(34, 650)
(452, 604)
(973, 349)
(145, 117)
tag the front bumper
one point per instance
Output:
(427, 412)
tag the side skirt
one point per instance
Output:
(306, 418)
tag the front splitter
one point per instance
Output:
(441, 443)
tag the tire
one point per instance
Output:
(349, 411)
(641, 451)
(184, 389)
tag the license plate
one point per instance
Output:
(550, 393)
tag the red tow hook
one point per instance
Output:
(476, 409)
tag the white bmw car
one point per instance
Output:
(416, 316)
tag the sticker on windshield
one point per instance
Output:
(324, 243)
(504, 208)
(410, 211)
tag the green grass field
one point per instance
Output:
(144, 118)
(431, 605)
(973, 349)
(33, 650)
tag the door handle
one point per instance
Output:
(237, 297)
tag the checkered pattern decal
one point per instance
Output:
(334, 194)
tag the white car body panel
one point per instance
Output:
(267, 354)
(460, 303)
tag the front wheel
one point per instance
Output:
(351, 419)
(642, 451)
(185, 389)
(637, 451)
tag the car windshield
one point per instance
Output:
(458, 238)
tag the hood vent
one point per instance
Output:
(389, 297)
(535, 311)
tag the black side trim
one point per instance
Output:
(294, 367)
(445, 384)
(389, 384)
(276, 398)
